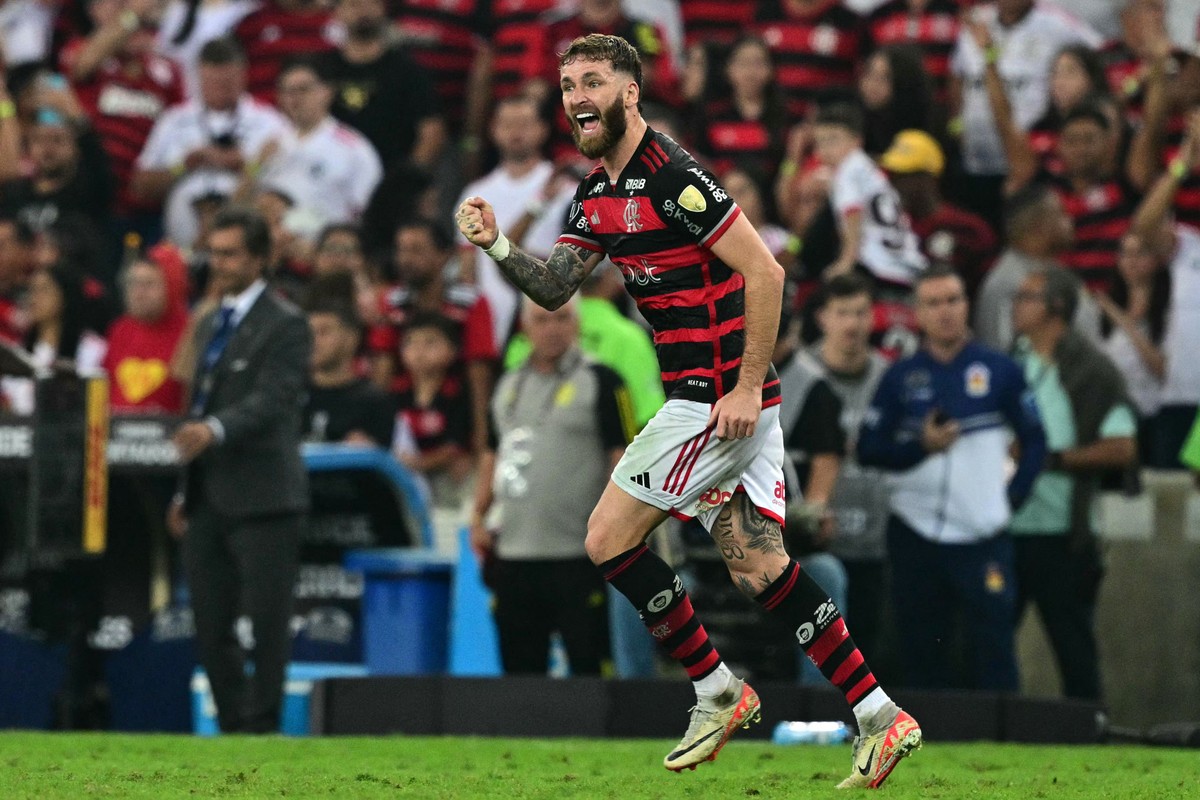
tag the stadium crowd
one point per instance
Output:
(870, 142)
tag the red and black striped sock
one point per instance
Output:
(821, 631)
(662, 603)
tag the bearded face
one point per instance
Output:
(596, 134)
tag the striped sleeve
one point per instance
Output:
(578, 229)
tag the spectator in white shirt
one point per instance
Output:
(210, 141)
(519, 134)
(25, 28)
(1026, 37)
(1179, 246)
(328, 169)
(875, 230)
(188, 25)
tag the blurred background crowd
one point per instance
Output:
(860, 137)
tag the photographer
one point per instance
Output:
(940, 423)
(205, 145)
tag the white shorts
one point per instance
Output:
(677, 464)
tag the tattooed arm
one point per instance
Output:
(548, 283)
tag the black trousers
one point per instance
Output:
(535, 598)
(1063, 585)
(935, 584)
(249, 566)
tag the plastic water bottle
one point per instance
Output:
(811, 733)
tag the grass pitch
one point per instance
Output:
(42, 766)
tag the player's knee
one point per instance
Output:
(755, 571)
(598, 542)
(608, 536)
(743, 578)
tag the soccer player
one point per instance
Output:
(712, 292)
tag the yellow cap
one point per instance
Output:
(913, 151)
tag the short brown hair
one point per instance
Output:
(602, 47)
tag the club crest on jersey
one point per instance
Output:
(691, 199)
(633, 216)
(979, 380)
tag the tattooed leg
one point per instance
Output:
(750, 544)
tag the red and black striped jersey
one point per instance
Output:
(934, 30)
(516, 32)
(1187, 199)
(729, 140)
(1102, 214)
(816, 53)
(123, 98)
(1043, 139)
(657, 222)
(271, 35)
(444, 37)
(954, 236)
(715, 20)
(1127, 73)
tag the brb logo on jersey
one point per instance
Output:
(641, 274)
(633, 216)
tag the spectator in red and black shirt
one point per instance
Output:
(947, 234)
(516, 31)
(817, 46)
(1168, 98)
(743, 123)
(423, 250)
(122, 84)
(1129, 60)
(1098, 199)
(930, 25)
(446, 38)
(434, 410)
(714, 20)
(1076, 75)
(276, 32)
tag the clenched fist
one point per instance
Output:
(477, 222)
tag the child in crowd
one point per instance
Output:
(433, 420)
(875, 231)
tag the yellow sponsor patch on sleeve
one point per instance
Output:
(691, 199)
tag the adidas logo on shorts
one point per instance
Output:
(642, 480)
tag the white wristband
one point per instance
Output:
(500, 248)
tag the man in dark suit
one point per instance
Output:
(245, 490)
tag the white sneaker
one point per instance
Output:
(709, 730)
(877, 754)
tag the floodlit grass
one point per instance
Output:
(41, 766)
